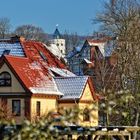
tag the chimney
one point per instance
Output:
(17, 38)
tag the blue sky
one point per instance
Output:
(70, 15)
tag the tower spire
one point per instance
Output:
(56, 34)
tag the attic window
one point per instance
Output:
(5, 79)
(43, 56)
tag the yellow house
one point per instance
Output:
(79, 94)
(34, 82)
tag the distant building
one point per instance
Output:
(96, 58)
(82, 59)
(57, 45)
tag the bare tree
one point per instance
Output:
(72, 40)
(117, 15)
(4, 27)
(31, 32)
(121, 19)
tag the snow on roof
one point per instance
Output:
(35, 50)
(95, 42)
(44, 91)
(33, 70)
(87, 61)
(105, 45)
(54, 49)
(62, 72)
(35, 65)
(35, 77)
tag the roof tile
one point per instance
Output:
(71, 87)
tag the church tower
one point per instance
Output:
(59, 43)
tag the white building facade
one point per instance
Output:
(57, 45)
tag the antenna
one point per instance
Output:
(57, 25)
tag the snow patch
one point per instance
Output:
(44, 91)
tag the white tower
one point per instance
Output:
(58, 43)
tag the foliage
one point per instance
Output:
(121, 19)
(72, 41)
(42, 128)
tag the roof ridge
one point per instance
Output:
(13, 56)
(71, 77)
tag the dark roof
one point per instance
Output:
(71, 87)
(75, 51)
(12, 48)
(56, 34)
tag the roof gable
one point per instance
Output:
(33, 75)
(89, 92)
(16, 86)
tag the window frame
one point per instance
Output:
(38, 108)
(14, 109)
(86, 115)
(4, 80)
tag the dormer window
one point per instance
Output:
(5, 79)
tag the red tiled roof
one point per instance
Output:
(33, 49)
(96, 41)
(102, 40)
(32, 74)
(32, 70)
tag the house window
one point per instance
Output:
(38, 108)
(86, 115)
(5, 79)
(16, 107)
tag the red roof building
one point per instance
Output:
(28, 83)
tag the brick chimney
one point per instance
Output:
(17, 38)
